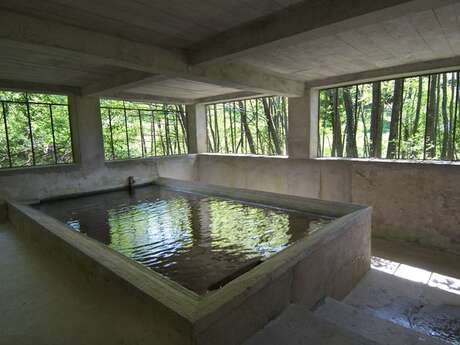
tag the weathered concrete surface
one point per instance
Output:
(3, 211)
(438, 261)
(44, 182)
(413, 202)
(417, 306)
(416, 202)
(44, 301)
(303, 125)
(371, 327)
(347, 259)
(298, 325)
(197, 131)
(245, 304)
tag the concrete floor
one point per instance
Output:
(412, 287)
(42, 302)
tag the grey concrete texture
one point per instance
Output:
(370, 326)
(413, 305)
(247, 303)
(45, 301)
(415, 202)
(298, 325)
(3, 211)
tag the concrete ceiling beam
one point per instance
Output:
(17, 85)
(88, 46)
(137, 97)
(303, 21)
(120, 82)
(408, 70)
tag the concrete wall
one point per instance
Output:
(418, 202)
(44, 182)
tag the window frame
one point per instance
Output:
(125, 109)
(27, 103)
(404, 76)
(232, 103)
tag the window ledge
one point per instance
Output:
(241, 155)
(38, 169)
(390, 161)
(144, 159)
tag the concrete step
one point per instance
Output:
(414, 305)
(369, 326)
(297, 325)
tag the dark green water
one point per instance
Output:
(197, 240)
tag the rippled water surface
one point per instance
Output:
(197, 240)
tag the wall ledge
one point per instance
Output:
(390, 161)
(39, 169)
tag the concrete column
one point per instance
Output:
(196, 122)
(303, 125)
(87, 132)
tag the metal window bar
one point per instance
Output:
(170, 136)
(27, 103)
(4, 110)
(30, 129)
(453, 134)
(430, 80)
(401, 119)
(52, 132)
(126, 131)
(112, 147)
(142, 134)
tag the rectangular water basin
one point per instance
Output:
(205, 257)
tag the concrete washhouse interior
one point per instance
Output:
(245, 172)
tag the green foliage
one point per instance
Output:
(414, 139)
(253, 126)
(34, 129)
(134, 130)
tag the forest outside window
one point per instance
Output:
(253, 126)
(137, 130)
(414, 118)
(34, 130)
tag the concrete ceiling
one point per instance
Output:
(194, 50)
(168, 23)
(421, 36)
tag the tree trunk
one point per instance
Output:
(216, 130)
(430, 130)
(212, 145)
(395, 117)
(271, 127)
(337, 144)
(351, 147)
(445, 119)
(225, 128)
(376, 121)
(450, 151)
(247, 130)
(419, 106)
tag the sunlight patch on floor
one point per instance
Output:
(416, 274)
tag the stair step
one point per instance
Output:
(297, 325)
(369, 326)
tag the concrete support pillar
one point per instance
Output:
(196, 122)
(303, 125)
(87, 132)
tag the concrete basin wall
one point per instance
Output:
(329, 265)
(411, 201)
(112, 276)
(341, 250)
